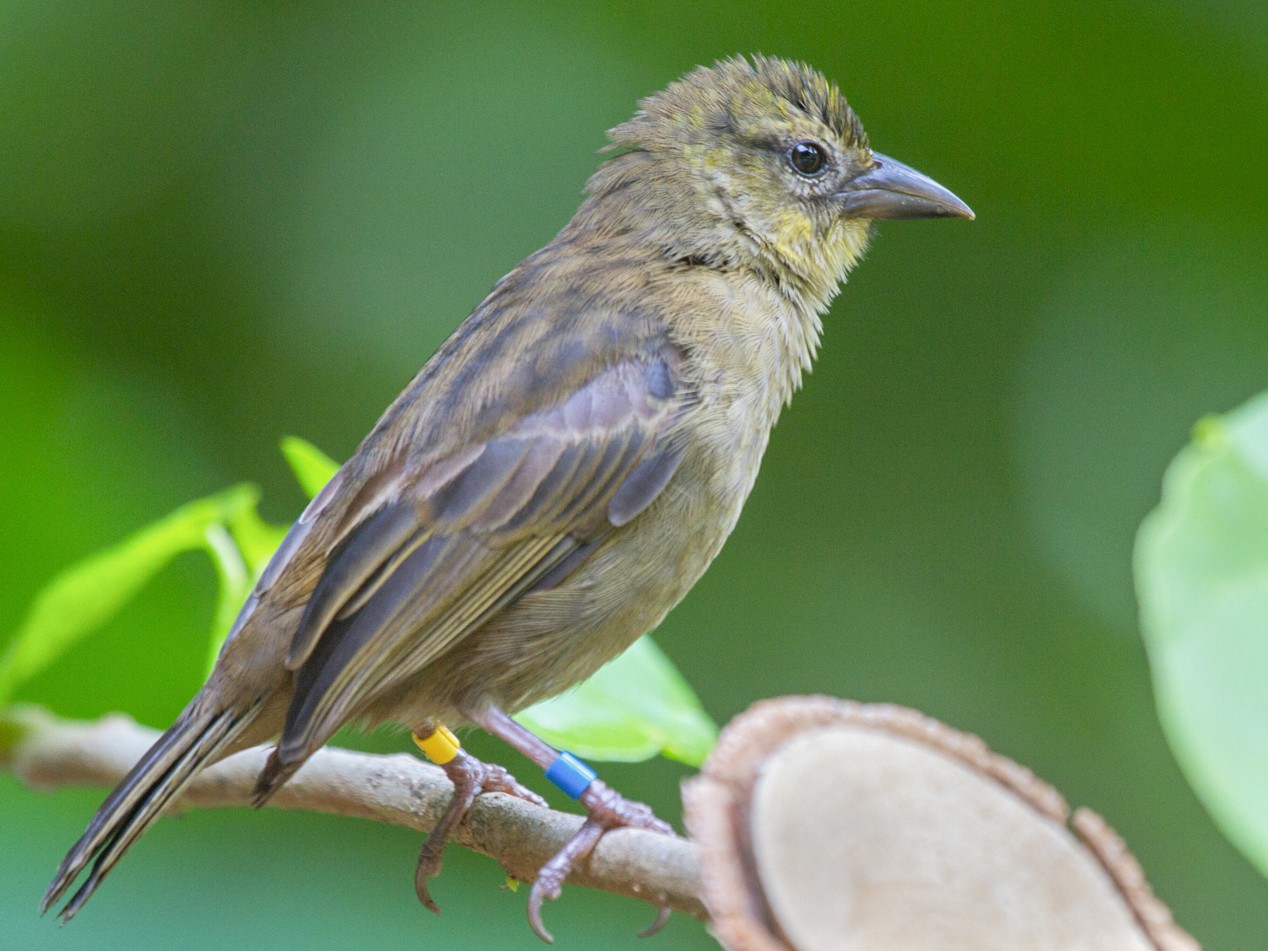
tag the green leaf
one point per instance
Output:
(86, 595)
(312, 467)
(235, 584)
(240, 554)
(632, 709)
(1202, 579)
(256, 539)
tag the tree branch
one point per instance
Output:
(48, 753)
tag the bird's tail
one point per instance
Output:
(197, 738)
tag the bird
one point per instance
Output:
(560, 472)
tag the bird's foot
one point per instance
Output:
(470, 778)
(606, 809)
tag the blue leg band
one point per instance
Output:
(571, 775)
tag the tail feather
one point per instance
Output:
(274, 775)
(196, 739)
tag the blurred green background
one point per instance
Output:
(225, 222)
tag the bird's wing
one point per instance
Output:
(449, 546)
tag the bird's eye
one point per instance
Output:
(807, 158)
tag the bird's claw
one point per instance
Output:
(550, 877)
(429, 862)
(662, 916)
(606, 810)
(470, 778)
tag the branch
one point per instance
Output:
(48, 753)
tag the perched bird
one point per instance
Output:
(561, 471)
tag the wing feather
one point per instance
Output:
(411, 579)
(377, 540)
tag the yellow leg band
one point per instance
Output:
(440, 746)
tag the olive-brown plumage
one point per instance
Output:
(569, 462)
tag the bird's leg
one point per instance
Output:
(605, 809)
(470, 777)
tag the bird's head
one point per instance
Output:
(765, 158)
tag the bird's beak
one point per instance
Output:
(890, 189)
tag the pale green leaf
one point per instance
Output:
(312, 467)
(240, 554)
(235, 581)
(86, 595)
(256, 539)
(632, 709)
(1202, 578)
